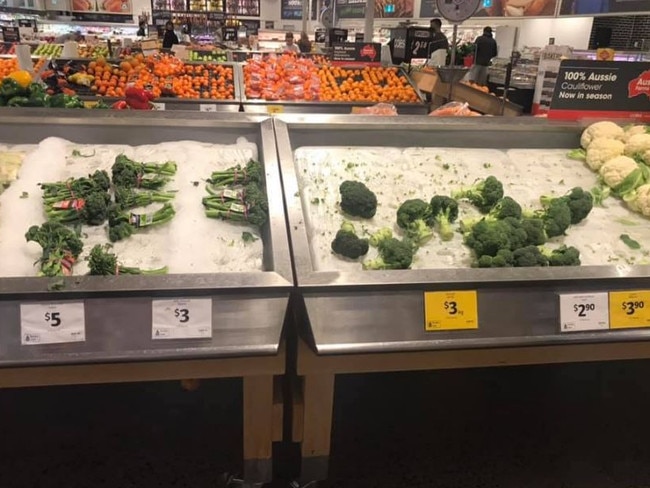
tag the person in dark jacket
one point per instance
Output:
(170, 36)
(486, 49)
(142, 29)
(304, 44)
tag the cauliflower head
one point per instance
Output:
(602, 150)
(633, 130)
(637, 144)
(614, 171)
(639, 200)
(605, 130)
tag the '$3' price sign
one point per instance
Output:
(628, 310)
(181, 318)
(450, 310)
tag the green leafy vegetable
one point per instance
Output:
(629, 242)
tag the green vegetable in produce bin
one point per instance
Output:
(101, 104)
(10, 88)
(65, 101)
(105, 263)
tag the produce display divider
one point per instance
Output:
(317, 107)
(248, 308)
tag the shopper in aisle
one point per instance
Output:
(170, 37)
(289, 46)
(486, 49)
(304, 44)
(142, 29)
(439, 44)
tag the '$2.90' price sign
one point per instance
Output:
(450, 310)
(629, 309)
(182, 318)
(52, 323)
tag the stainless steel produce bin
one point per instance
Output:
(248, 308)
(383, 311)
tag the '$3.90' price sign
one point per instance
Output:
(629, 309)
(450, 310)
(182, 318)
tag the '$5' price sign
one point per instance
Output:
(181, 318)
(627, 309)
(450, 310)
(52, 323)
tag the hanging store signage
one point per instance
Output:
(450, 310)
(428, 9)
(11, 34)
(185, 318)
(601, 89)
(583, 312)
(52, 323)
(110, 7)
(355, 9)
(517, 8)
(229, 34)
(366, 53)
(291, 9)
(629, 309)
(591, 7)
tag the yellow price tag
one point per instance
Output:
(275, 109)
(450, 310)
(629, 309)
(90, 104)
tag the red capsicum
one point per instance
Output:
(120, 105)
(138, 99)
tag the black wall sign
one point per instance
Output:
(356, 52)
(320, 36)
(291, 9)
(229, 34)
(601, 89)
(428, 9)
(11, 34)
(358, 37)
(337, 36)
(97, 17)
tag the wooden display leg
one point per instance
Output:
(318, 403)
(258, 429)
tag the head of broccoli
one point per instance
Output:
(563, 256)
(444, 212)
(579, 201)
(348, 244)
(488, 237)
(506, 207)
(412, 216)
(529, 256)
(393, 254)
(358, 200)
(534, 229)
(484, 195)
(503, 259)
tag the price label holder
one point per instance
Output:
(629, 309)
(584, 312)
(207, 107)
(158, 105)
(274, 109)
(182, 318)
(450, 310)
(52, 323)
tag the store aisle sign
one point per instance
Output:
(11, 34)
(450, 310)
(584, 312)
(52, 323)
(629, 309)
(181, 318)
(601, 89)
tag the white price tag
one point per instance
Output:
(182, 318)
(582, 312)
(207, 107)
(158, 105)
(52, 323)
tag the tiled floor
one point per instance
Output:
(579, 426)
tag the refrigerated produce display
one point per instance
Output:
(135, 191)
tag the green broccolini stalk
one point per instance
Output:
(75, 187)
(248, 204)
(128, 173)
(238, 175)
(130, 198)
(61, 248)
(122, 224)
(91, 210)
(104, 263)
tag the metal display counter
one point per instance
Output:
(370, 321)
(248, 309)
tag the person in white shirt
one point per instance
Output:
(289, 46)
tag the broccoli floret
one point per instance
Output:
(357, 200)
(529, 256)
(503, 259)
(444, 212)
(102, 262)
(412, 216)
(380, 236)
(506, 207)
(563, 256)
(579, 201)
(95, 209)
(535, 233)
(484, 195)
(488, 237)
(393, 254)
(556, 216)
(348, 244)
